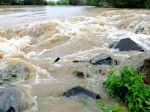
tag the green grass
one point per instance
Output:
(100, 105)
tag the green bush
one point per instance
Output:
(63, 2)
(129, 87)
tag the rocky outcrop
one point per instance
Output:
(9, 100)
(127, 45)
(13, 74)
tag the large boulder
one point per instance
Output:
(13, 74)
(127, 45)
(103, 59)
(9, 100)
(81, 91)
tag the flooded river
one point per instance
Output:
(36, 36)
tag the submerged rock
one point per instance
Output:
(81, 91)
(9, 100)
(127, 45)
(81, 75)
(103, 59)
(13, 74)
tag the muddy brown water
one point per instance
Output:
(36, 36)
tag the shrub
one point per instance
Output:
(63, 2)
(129, 87)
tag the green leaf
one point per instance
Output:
(130, 105)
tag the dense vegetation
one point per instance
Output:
(101, 3)
(23, 2)
(111, 3)
(129, 87)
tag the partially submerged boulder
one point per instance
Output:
(9, 100)
(13, 74)
(81, 91)
(127, 45)
(103, 59)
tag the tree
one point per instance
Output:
(35, 2)
(74, 2)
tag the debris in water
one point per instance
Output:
(1, 55)
(102, 72)
(57, 60)
(128, 45)
(78, 61)
(81, 91)
(103, 59)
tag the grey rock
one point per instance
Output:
(9, 100)
(81, 91)
(13, 74)
(103, 59)
(127, 45)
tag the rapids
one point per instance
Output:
(36, 36)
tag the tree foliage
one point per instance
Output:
(23, 2)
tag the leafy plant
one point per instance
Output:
(129, 87)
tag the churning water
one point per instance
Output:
(36, 36)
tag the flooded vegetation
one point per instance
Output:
(59, 48)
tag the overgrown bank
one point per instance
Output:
(106, 3)
(98, 3)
